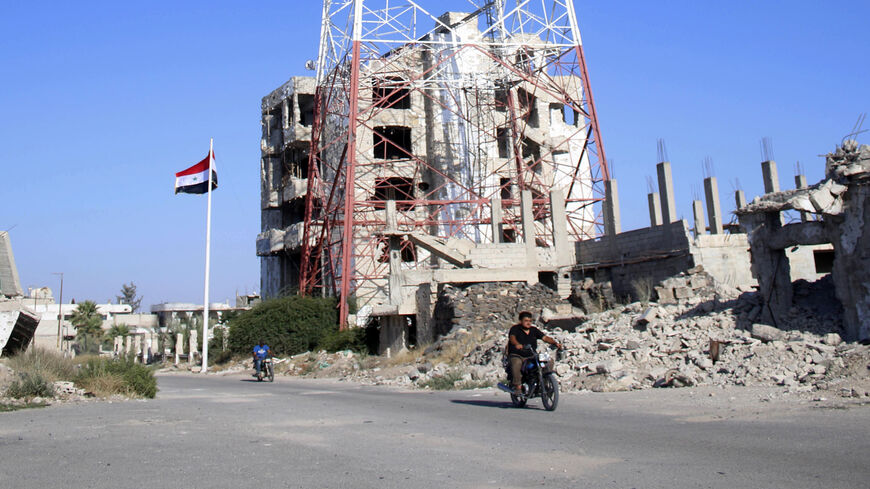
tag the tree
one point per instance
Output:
(88, 323)
(116, 330)
(128, 296)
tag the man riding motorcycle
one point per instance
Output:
(261, 352)
(520, 336)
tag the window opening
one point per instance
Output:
(391, 92)
(824, 260)
(502, 137)
(392, 142)
(400, 189)
(531, 154)
(528, 106)
(501, 99)
(506, 190)
(306, 109)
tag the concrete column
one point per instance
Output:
(714, 210)
(391, 216)
(137, 347)
(192, 348)
(392, 335)
(771, 177)
(559, 219)
(128, 344)
(179, 347)
(655, 210)
(495, 212)
(666, 190)
(769, 266)
(529, 228)
(800, 181)
(612, 224)
(698, 210)
(740, 199)
(395, 278)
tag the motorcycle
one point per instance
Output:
(539, 380)
(266, 370)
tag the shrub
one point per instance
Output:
(289, 325)
(443, 383)
(48, 364)
(104, 385)
(353, 339)
(103, 373)
(29, 385)
(221, 357)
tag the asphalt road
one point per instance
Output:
(227, 432)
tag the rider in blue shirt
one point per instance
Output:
(261, 352)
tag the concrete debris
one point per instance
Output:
(688, 284)
(767, 333)
(607, 352)
(66, 389)
(592, 297)
(494, 304)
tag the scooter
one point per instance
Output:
(539, 380)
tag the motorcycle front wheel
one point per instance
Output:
(271, 374)
(550, 392)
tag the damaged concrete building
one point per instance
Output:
(834, 212)
(17, 322)
(470, 153)
(473, 156)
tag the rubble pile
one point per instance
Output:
(700, 341)
(709, 338)
(493, 304)
(706, 335)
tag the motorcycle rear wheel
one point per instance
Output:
(518, 401)
(550, 392)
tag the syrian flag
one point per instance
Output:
(194, 180)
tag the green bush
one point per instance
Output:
(443, 383)
(28, 385)
(449, 382)
(289, 325)
(137, 379)
(353, 339)
(221, 357)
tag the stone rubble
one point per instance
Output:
(712, 337)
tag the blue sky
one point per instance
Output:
(100, 103)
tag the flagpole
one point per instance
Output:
(207, 260)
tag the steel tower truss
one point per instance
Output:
(473, 81)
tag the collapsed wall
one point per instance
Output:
(841, 206)
(634, 261)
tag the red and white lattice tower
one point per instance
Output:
(443, 114)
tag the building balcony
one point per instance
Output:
(294, 188)
(270, 242)
(293, 236)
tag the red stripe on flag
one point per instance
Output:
(197, 168)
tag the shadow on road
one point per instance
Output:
(482, 403)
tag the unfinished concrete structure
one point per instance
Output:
(842, 201)
(451, 149)
(17, 322)
(636, 261)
